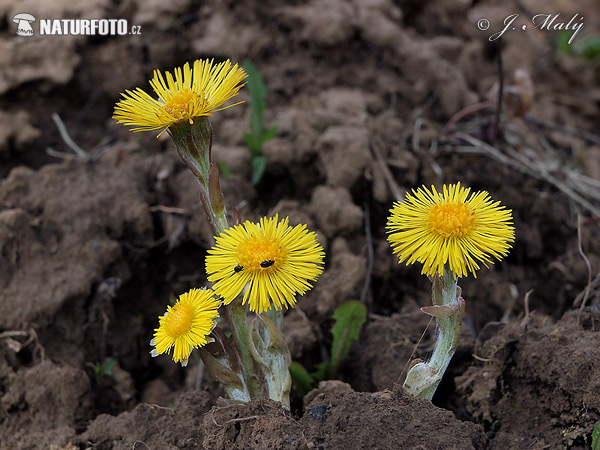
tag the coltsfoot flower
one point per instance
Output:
(186, 325)
(450, 227)
(271, 259)
(193, 92)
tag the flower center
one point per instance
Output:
(259, 253)
(451, 220)
(180, 106)
(179, 320)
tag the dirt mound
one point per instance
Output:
(386, 420)
(547, 369)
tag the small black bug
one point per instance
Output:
(237, 269)
(267, 263)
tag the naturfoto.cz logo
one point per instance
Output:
(74, 27)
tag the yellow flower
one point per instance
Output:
(272, 260)
(186, 325)
(452, 228)
(192, 92)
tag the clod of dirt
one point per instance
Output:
(36, 60)
(335, 212)
(349, 420)
(15, 131)
(297, 214)
(45, 400)
(385, 347)
(325, 22)
(60, 233)
(160, 15)
(218, 40)
(342, 281)
(344, 152)
(176, 426)
(300, 333)
(344, 106)
(547, 369)
(327, 387)
(184, 187)
(236, 159)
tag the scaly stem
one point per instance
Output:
(194, 146)
(270, 351)
(255, 361)
(448, 309)
(241, 334)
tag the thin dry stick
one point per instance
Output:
(595, 283)
(500, 89)
(241, 419)
(465, 112)
(13, 334)
(529, 167)
(527, 317)
(585, 135)
(396, 190)
(64, 134)
(370, 254)
(200, 377)
(526, 302)
(167, 209)
(414, 350)
(589, 267)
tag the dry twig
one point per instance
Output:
(589, 268)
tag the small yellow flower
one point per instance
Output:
(186, 325)
(192, 92)
(272, 260)
(451, 228)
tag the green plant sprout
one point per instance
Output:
(103, 370)
(349, 319)
(258, 133)
(587, 47)
(596, 436)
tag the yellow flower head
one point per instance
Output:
(271, 259)
(453, 228)
(192, 92)
(186, 325)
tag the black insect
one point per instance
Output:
(267, 263)
(238, 269)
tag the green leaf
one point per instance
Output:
(320, 373)
(258, 92)
(253, 144)
(349, 319)
(589, 47)
(259, 164)
(596, 436)
(257, 124)
(224, 169)
(269, 134)
(562, 42)
(303, 381)
(104, 369)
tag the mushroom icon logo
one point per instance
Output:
(23, 21)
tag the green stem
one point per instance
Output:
(263, 371)
(222, 361)
(270, 351)
(448, 309)
(194, 147)
(240, 331)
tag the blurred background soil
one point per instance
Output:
(365, 95)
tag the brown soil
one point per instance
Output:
(92, 251)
